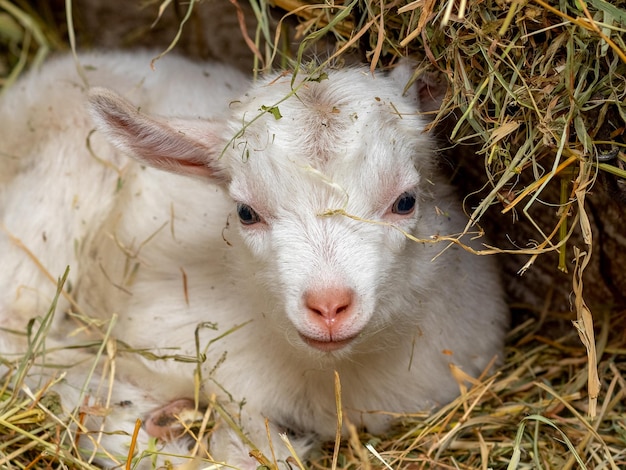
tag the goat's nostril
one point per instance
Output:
(342, 309)
(329, 303)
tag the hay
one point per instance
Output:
(531, 414)
(541, 88)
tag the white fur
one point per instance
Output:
(350, 143)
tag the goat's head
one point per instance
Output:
(319, 172)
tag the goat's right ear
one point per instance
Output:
(187, 147)
(428, 89)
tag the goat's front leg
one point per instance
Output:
(242, 441)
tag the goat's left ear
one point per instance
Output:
(428, 89)
(187, 147)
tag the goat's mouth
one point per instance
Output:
(327, 345)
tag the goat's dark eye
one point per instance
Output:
(247, 215)
(404, 205)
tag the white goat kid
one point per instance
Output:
(283, 259)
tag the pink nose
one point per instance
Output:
(329, 307)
